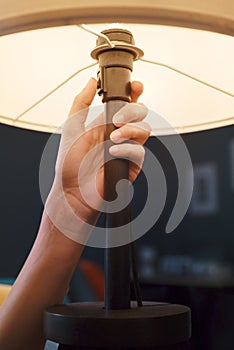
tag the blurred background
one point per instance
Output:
(194, 265)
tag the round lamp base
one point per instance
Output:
(90, 326)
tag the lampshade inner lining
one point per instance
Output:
(43, 54)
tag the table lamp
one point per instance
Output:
(179, 38)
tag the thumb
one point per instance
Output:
(84, 99)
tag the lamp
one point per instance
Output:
(213, 102)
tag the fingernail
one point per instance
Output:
(118, 118)
(114, 150)
(115, 136)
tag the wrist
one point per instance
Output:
(56, 246)
(70, 215)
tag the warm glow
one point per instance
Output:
(35, 62)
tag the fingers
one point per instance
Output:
(136, 90)
(75, 124)
(133, 152)
(138, 132)
(131, 112)
(84, 99)
(129, 121)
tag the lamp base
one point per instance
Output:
(90, 326)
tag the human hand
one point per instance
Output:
(80, 163)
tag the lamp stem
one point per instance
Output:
(117, 270)
(114, 76)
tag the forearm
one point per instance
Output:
(42, 282)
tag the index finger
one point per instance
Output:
(84, 99)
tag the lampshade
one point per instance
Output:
(42, 46)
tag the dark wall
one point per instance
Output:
(197, 235)
(20, 203)
(201, 234)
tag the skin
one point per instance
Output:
(45, 276)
